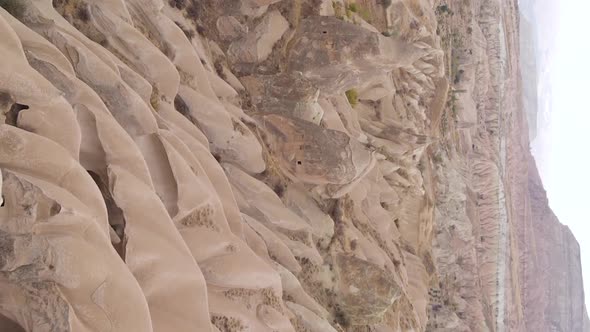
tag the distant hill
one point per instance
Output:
(529, 73)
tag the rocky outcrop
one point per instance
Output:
(267, 165)
(365, 291)
(339, 56)
(555, 264)
(338, 160)
(288, 93)
(257, 45)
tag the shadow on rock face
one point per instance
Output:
(7, 325)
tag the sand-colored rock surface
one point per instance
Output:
(268, 165)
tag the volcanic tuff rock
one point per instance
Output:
(268, 165)
(340, 56)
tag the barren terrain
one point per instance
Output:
(273, 165)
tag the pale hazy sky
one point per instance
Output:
(562, 147)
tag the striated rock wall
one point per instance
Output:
(268, 165)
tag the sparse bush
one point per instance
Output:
(155, 98)
(15, 7)
(337, 9)
(356, 8)
(179, 4)
(193, 10)
(458, 76)
(437, 158)
(366, 15)
(200, 29)
(349, 13)
(279, 189)
(443, 8)
(82, 13)
(352, 96)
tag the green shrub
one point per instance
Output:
(15, 7)
(353, 97)
(361, 11)
(366, 15)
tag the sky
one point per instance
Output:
(562, 145)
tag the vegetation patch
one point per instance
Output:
(338, 9)
(361, 11)
(82, 13)
(353, 97)
(193, 10)
(155, 98)
(353, 7)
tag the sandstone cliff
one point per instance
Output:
(273, 165)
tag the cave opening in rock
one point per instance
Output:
(10, 108)
(115, 214)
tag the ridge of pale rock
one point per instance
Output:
(273, 165)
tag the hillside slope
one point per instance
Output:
(273, 165)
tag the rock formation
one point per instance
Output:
(273, 165)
